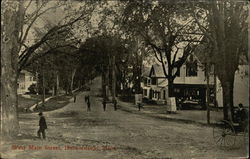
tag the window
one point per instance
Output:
(153, 81)
(145, 92)
(149, 81)
(145, 81)
(191, 68)
(177, 90)
(164, 94)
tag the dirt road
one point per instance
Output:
(74, 133)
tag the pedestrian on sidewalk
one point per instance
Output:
(139, 106)
(88, 104)
(74, 98)
(115, 104)
(104, 104)
(42, 126)
(86, 98)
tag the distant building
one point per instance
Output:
(25, 80)
(154, 84)
(191, 84)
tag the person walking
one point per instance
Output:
(139, 106)
(88, 104)
(42, 126)
(115, 104)
(74, 98)
(104, 104)
(86, 98)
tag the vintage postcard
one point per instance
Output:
(142, 79)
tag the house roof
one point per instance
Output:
(146, 71)
(157, 71)
(163, 83)
(26, 72)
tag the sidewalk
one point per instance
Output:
(186, 116)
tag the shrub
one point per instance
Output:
(32, 89)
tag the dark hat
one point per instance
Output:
(241, 105)
(40, 113)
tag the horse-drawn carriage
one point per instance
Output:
(225, 131)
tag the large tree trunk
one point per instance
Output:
(170, 87)
(231, 94)
(10, 27)
(226, 100)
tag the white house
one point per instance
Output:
(25, 80)
(154, 84)
(191, 83)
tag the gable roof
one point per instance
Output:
(157, 71)
(145, 71)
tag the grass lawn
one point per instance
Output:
(25, 102)
(54, 103)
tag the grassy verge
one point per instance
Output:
(25, 102)
(54, 103)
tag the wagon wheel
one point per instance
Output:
(224, 134)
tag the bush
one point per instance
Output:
(32, 89)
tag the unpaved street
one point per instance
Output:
(113, 134)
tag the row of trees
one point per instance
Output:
(121, 35)
(219, 26)
(18, 23)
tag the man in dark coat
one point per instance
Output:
(88, 104)
(42, 126)
(86, 98)
(74, 98)
(115, 104)
(104, 104)
(242, 115)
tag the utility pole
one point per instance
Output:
(207, 93)
(37, 100)
(113, 78)
(215, 90)
(43, 98)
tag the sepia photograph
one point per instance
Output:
(124, 79)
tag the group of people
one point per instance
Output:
(242, 115)
(43, 124)
(104, 103)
